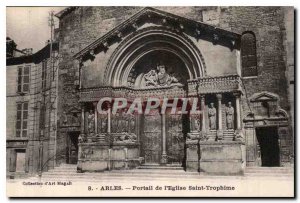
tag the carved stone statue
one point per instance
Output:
(82, 138)
(151, 78)
(91, 122)
(160, 78)
(212, 116)
(63, 119)
(229, 116)
(163, 77)
(197, 124)
(103, 125)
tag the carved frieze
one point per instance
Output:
(208, 85)
(196, 87)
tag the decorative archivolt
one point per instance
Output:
(140, 42)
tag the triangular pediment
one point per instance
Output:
(264, 96)
(73, 109)
(178, 24)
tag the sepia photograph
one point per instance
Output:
(160, 101)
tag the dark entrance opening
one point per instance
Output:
(72, 148)
(267, 138)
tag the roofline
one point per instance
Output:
(135, 16)
(32, 58)
(64, 12)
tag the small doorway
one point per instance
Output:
(20, 160)
(72, 148)
(267, 138)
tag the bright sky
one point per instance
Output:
(28, 26)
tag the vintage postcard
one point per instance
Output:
(190, 101)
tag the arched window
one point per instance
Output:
(248, 53)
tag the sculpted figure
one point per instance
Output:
(163, 77)
(229, 116)
(91, 122)
(64, 119)
(151, 78)
(159, 77)
(197, 124)
(103, 125)
(212, 116)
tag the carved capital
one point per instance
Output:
(202, 97)
(95, 104)
(237, 94)
(219, 96)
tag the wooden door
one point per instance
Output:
(20, 161)
(151, 138)
(175, 139)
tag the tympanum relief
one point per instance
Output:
(159, 77)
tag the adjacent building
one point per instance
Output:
(31, 100)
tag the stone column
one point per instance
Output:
(238, 110)
(82, 128)
(164, 158)
(238, 133)
(109, 119)
(203, 127)
(96, 117)
(220, 130)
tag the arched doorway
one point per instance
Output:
(157, 62)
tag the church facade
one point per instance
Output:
(213, 54)
(237, 62)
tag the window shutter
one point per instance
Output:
(19, 79)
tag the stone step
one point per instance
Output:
(269, 174)
(96, 177)
(159, 167)
(67, 166)
(269, 170)
(139, 172)
(101, 176)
